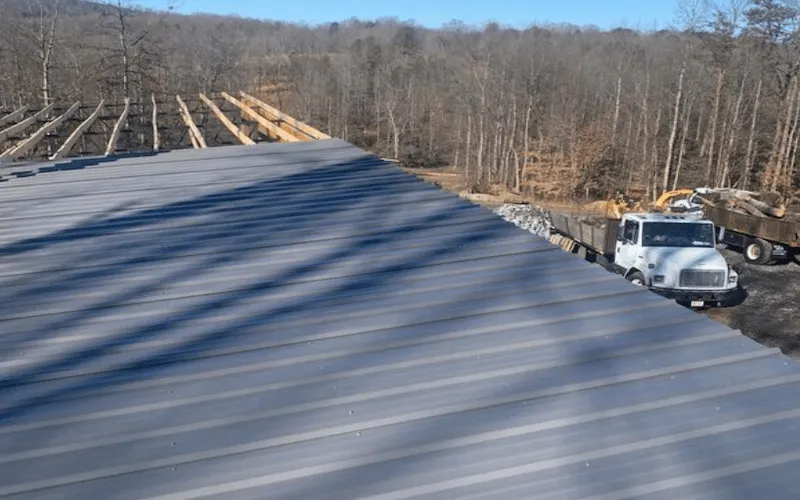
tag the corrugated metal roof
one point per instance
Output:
(306, 321)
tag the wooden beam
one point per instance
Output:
(266, 132)
(270, 113)
(276, 119)
(66, 148)
(274, 129)
(247, 128)
(156, 144)
(31, 142)
(187, 119)
(243, 138)
(14, 116)
(19, 127)
(112, 142)
(279, 115)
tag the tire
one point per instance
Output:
(757, 251)
(636, 278)
(796, 256)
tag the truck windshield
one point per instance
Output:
(677, 234)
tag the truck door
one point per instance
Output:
(628, 248)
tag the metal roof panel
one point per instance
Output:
(306, 321)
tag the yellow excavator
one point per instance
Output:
(678, 200)
(616, 206)
(669, 197)
(683, 201)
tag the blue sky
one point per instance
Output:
(643, 14)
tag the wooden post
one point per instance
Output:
(112, 142)
(156, 144)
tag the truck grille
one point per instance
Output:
(700, 278)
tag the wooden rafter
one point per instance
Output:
(14, 116)
(66, 148)
(275, 118)
(271, 127)
(31, 142)
(197, 137)
(276, 114)
(24, 124)
(244, 139)
(261, 129)
(277, 121)
(156, 142)
(193, 138)
(112, 142)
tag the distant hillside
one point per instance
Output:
(67, 7)
(558, 111)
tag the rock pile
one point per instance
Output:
(527, 217)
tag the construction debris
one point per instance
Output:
(530, 218)
(769, 205)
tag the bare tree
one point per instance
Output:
(674, 131)
(551, 112)
(45, 35)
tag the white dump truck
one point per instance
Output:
(674, 255)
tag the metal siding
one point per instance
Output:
(305, 321)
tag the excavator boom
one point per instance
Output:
(667, 196)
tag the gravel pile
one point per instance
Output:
(527, 217)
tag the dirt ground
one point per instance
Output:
(770, 313)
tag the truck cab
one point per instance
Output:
(675, 256)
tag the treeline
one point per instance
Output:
(556, 111)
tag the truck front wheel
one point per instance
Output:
(636, 278)
(757, 251)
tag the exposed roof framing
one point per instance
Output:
(264, 122)
(232, 128)
(31, 142)
(276, 114)
(14, 116)
(198, 141)
(112, 142)
(25, 124)
(66, 148)
(153, 125)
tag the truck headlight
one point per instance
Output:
(658, 278)
(732, 278)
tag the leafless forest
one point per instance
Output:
(555, 111)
